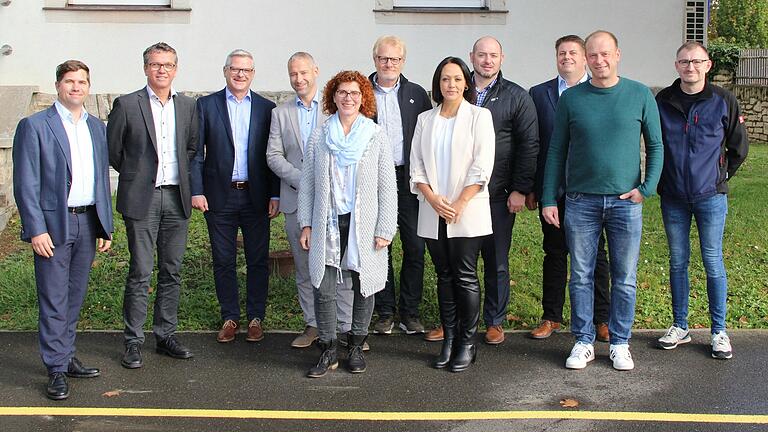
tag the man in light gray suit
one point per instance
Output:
(152, 135)
(292, 125)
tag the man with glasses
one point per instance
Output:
(152, 134)
(595, 152)
(398, 103)
(517, 144)
(235, 189)
(705, 142)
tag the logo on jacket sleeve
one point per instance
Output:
(741, 119)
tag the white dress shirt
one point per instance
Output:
(164, 118)
(82, 190)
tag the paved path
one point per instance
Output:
(515, 386)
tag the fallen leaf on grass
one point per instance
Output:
(569, 403)
(649, 320)
(698, 326)
(513, 318)
(512, 283)
(743, 320)
(644, 285)
(150, 290)
(112, 393)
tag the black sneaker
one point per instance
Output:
(411, 325)
(384, 325)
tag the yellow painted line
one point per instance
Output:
(388, 416)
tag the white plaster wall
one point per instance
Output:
(339, 33)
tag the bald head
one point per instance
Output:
(487, 42)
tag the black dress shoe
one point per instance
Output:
(77, 370)
(171, 347)
(57, 388)
(132, 357)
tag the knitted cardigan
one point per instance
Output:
(375, 208)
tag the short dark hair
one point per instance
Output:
(470, 94)
(571, 38)
(605, 32)
(159, 47)
(692, 45)
(72, 66)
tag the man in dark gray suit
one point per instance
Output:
(61, 186)
(152, 135)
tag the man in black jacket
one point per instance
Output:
(517, 145)
(398, 103)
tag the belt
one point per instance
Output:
(240, 185)
(79, 209)
(167, 187)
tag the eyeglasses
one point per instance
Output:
(238, 71)
(695, 62)
(383, 60)
(354, 94)
(157, 66)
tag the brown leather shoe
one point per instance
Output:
(494, 335)
(306, 338)
(434, 335)
(228, 331)
(255, 333)
(603, 335)
(545, 329)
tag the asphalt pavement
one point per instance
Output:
(516, 386)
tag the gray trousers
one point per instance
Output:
(344, 295)
(325, 305)
(165, 227)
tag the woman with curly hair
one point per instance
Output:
(347, 209)
(451, 163)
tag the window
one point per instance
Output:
(696, 19)
(119, 2)
(475, 4)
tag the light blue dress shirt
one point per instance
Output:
(240, 123)
(562, 84)
(388, 117)
(307, 118)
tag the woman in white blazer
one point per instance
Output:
(451, 162)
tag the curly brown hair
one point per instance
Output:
(367, 100)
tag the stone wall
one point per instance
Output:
(19, 102)
(754, 108)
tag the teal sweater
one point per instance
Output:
(595, 143)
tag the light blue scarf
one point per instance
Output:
(349, 149)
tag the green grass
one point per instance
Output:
(746, 251)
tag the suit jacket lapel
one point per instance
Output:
(255, 116)
(553, 93)
(458, 143)
(146, 112)
(98, 148)
(54, 122)
(221, 104)
(293, 117)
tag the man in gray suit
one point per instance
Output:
(152, 135)
(61, 186)
(292, 125)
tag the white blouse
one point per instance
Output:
(441, 141)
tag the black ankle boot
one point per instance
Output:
(446, 351)
(355, 358)
(464, 355)
(329, 360)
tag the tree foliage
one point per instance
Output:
(743, 22)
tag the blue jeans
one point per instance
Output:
(586, 215)
(710, 216)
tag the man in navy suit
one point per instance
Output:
(61, 186)
(571, 68)
(232, 184)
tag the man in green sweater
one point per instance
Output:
(595, 148)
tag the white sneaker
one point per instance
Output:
(622, 359)
(674, 337)
(721, 346)
(581, 354)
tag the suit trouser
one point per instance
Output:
(412, 270)
(165, 226)
(555, 272)
(61, 282)
(344, 295)
(326, 295)
(495, 252)
(458, 289)
(252, 219)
